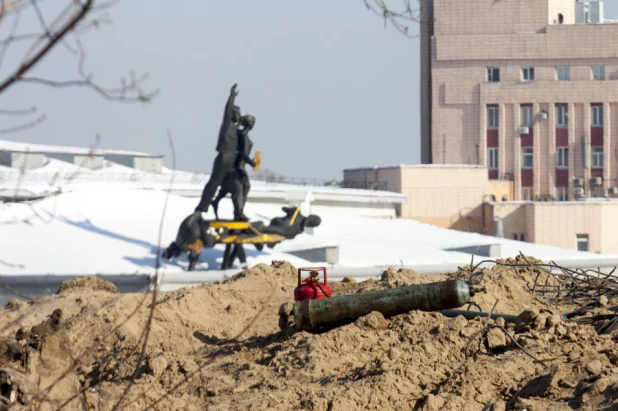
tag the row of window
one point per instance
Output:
(581, 240)
(562, 157)
(562, 116)
(563, 73)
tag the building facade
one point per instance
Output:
(449, 196)
(463, 197)
(528, 88)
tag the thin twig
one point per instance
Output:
(148, 327)
(485, 330)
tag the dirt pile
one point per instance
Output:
(92, 283)
(219, 347)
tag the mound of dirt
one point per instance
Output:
(91, 283)
(219, 347)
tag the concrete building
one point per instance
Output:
(448, 196)
(579, 225)
(465, 198)
(528, 88)
(30, 156)
(23, 160)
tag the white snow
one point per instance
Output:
(113, 228)
(42, 148)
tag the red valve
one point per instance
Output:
(311, 288)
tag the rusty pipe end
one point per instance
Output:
(475, 290)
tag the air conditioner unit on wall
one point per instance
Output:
(613, 191)
(542, 115)
(524, 130)
(578, 191)
(578, 182)
(596, 181)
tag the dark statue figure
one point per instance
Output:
(227, 146)
(229, 176)
(236, 182)
(193, 235)
(292, 224)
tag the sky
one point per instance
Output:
(330, 86)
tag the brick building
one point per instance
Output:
(528, 88)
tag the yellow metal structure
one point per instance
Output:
(251, 235)
(230, 225)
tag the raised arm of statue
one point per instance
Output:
(229, 107)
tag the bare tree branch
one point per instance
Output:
(400, 19)
(105, 93)
(10, 39)
(74, 19)
(48, 34)
(19, 37)
(23, 112)
(54, 39)
(23, 127)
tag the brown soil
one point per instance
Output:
(219, 347)
(91, 283)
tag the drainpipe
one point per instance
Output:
(585, 154)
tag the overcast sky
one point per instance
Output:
(330, 87)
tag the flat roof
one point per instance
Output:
(415, 166)
(7, 145)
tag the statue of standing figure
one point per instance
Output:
(229, 174)
(227, 146)
(236, 182)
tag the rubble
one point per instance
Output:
(200, 354)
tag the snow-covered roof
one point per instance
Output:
(108, 228)
(415, 166)
(7, 145)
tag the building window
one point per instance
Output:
(596, 114)
(597, 157)
(563, 73)
(598, 72)
(493, 74)
(492, 158)
(582, 242)
(492, 117)
(562, 157)
(527, 73)
(519, 237)
(562, 115)
(526, 157)
(526, 193)
(562, 194)
(526, 116)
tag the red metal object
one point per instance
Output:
(311, 288)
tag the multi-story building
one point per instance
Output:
(528, 88)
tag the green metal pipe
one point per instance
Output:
(334, 311)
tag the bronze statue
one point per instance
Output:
(195, 234)
(227, 146)
(292, 224)
(237, 181)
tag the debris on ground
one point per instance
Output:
(220, 346)
(89, 282)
